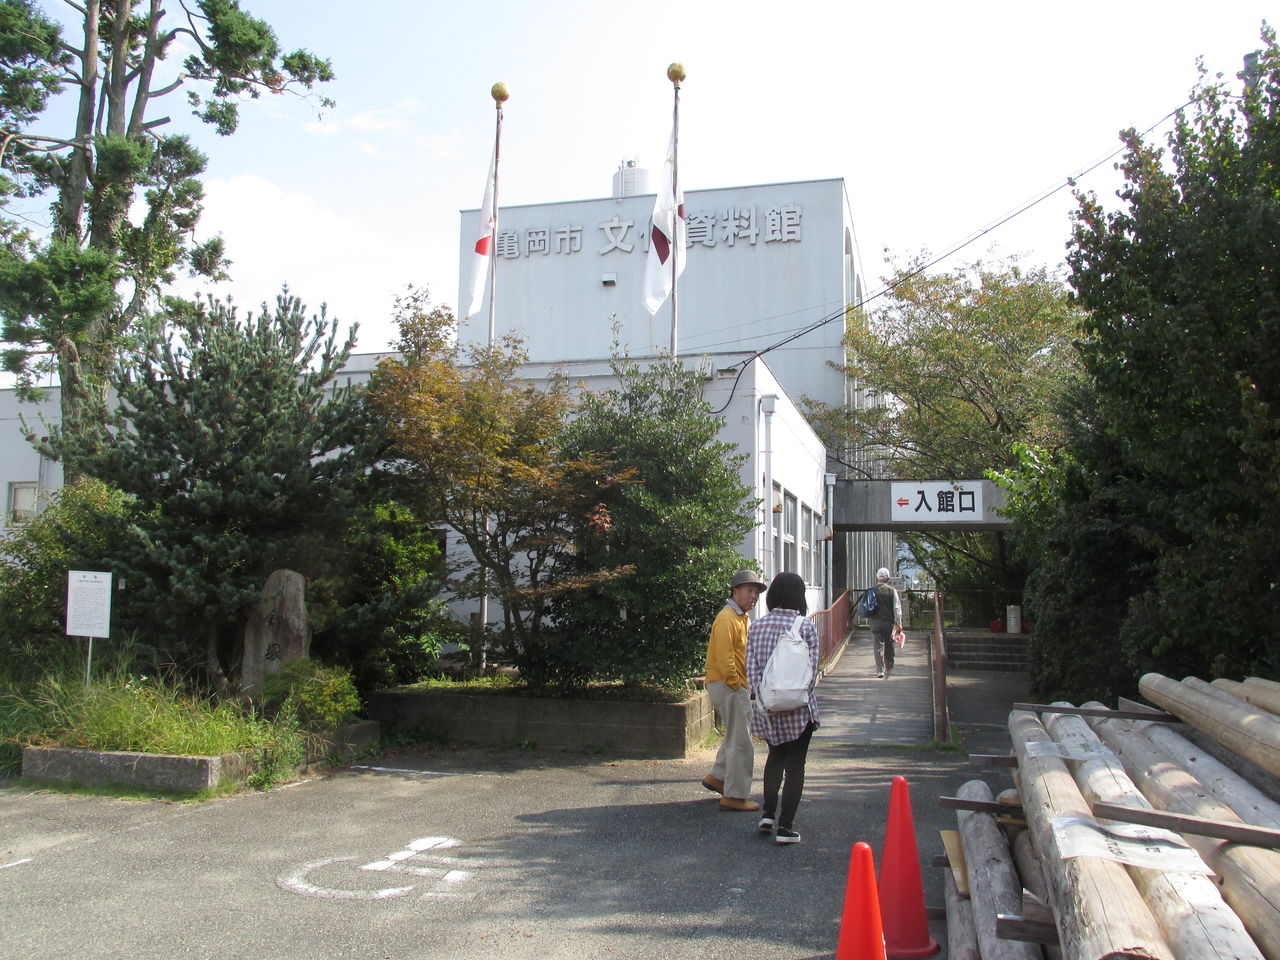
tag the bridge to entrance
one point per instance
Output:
(899, 505)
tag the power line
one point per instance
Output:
(950, 252)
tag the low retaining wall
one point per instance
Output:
(157, 771)
(625, 728)
(144, 770)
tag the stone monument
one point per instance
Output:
(277, 632)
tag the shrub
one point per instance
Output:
(77, 528)
(320, 697)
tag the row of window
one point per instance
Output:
(798, 534)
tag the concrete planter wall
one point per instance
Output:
(150, 771)
(622, 728)
(143, 770)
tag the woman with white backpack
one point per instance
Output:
(778, 682)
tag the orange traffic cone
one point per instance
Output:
(861, 934)
(906, 928)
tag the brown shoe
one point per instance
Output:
(714, 784)
(737, 803)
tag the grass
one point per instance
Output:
(123, 710)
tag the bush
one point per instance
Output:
(676, 527)
(320, 697)
(76, 530)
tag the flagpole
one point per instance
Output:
(675, 73)
(500, 96)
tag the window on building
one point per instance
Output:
(819, 550)
(790, 511)
(23, 502)
(775, 525)
(806, 544)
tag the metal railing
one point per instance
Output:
(833, 626)
(938, 668)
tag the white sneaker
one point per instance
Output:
(767, 823)
(786, 836)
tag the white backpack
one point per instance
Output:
(786, 680)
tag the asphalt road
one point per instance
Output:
(467, 853)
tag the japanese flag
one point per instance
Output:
(668, 235)
(484, 241)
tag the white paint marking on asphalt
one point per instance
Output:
(431, 843)
(297, 882)
(425, 773)
(296, 783)
(16, 863)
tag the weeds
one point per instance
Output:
(145, 713)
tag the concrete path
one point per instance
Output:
(506, 854)
(858, 708)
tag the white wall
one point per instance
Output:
(564, 278)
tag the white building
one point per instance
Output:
(764, 263)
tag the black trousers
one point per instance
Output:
(784, 768)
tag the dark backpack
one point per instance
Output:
(869, 602)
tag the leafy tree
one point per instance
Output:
(68, 534)
(476, 447)
(963, 365)
(380, 615)
(241, 457)
(675, 527)
(66, 300)
(1077, 521)
(1183, 347)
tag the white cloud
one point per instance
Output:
(274, 237)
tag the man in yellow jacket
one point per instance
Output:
(726, 670)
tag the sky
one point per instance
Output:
(942, 118)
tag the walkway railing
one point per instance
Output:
(938, 668)
(833, 626)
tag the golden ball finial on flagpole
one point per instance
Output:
(500, 93)
(675, 73)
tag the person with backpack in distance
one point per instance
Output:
(782, 667)
(885, 620)
(726, 672)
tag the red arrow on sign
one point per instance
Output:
(903, 502)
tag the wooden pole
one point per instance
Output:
(1250, 732)
(1189, 907)
(1250, 876)
(994, 887)
(1099, 911)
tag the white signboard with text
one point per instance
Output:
(88, 603)
(943, 501)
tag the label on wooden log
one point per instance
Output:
(1127, 843)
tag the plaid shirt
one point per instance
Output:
(761, 639)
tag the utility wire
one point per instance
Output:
(950, 252)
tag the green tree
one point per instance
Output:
(960, 366)
(1077, 526)
(66, 300)
(676, 527)
(241, 457)
(476, 446)
(380, 615)
(70, 533)
(1183, 348)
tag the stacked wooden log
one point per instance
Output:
(1147, 831)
